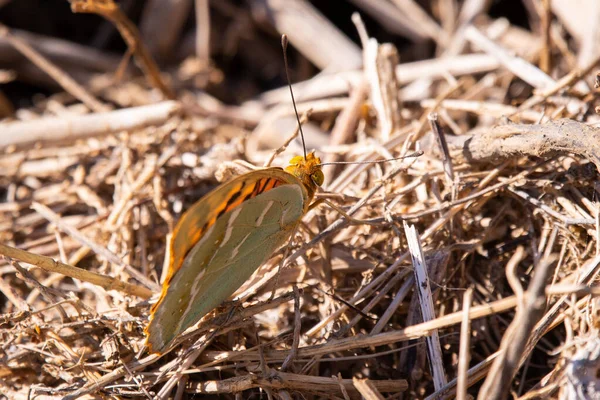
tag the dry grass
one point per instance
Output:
(497, 222)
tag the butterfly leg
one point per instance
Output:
(352, 220)
(316, 203)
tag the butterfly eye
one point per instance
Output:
(318, 177)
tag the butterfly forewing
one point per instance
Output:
(204, 213)
(227, 254)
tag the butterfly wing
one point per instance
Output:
(230, 250)
(203, 214)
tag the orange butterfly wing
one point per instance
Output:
(203, 214)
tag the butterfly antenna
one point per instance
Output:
(284, 43)
(411, 155)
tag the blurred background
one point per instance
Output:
(243, 37)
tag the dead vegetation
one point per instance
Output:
(471, 270)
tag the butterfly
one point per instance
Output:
(224, 237)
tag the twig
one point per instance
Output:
(312, 34)
(587, 273)
(441, 138)
(342, 387)
(497, 384)
(48, 264)
(285, 380)
(297, 326)
(380, 62)
(382, 293)
(50, 130)
(545, 140)
(424, 21)
(151, 164)
(427, 310)
(392, 18)
(545, 54)
(475, 374)
(566, 81)
(361, 29)
(98, 249)
(62, 52)
(337, 83)
(202, 31)
(518, 66)
(465, 348)
(495, 110)
(392, 308)
(111, 11)
(361, 341)
(47, 293)
(367, 389)
(98, 384)
(589, 46)
(345, 124)
(59, 76)
(186, 361)
(263, 363)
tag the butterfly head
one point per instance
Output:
(308, 170)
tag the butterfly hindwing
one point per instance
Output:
(229, 251)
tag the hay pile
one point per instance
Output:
(467, 269)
